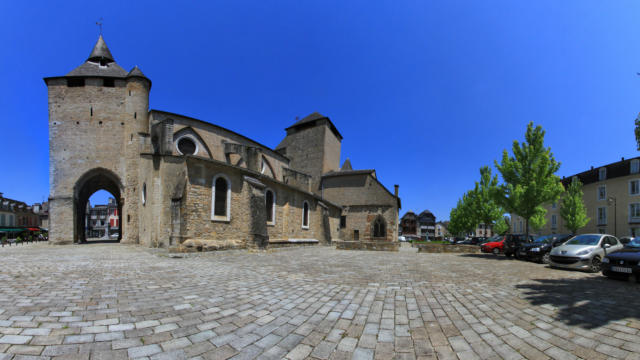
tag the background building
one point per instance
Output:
(180, 181)
(102, 220)
(611, 194)
(17, 213)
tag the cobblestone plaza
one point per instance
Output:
(109, 301)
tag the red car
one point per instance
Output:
(495, 247)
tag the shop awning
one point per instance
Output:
(11, 230)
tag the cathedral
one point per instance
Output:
(185, 183)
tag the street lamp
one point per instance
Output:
(615, 216)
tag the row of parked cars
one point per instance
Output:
(592, 252)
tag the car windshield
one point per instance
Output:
(584, 240)
(634, 243)
(543, 239)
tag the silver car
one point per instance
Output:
(584, 251)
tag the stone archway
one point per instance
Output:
(89, 183)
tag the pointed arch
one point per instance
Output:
(266, 168)
(189, 133)
(379, 228)
(90, 182)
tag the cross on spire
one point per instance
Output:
(99, 23)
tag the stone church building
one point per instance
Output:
(180, 181)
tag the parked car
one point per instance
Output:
(512, 243)
(540, 248)
(625, 239)
(584, 251)
(495, 247)
(624, 262)
(491, 239)
(477, 240)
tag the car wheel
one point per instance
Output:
(596, 264)
(507, 255)
(496, 251)
(546, 258)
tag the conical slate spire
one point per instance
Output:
(136, 72)
(346, 166)
(101, 52)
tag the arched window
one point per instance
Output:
(379, 228)
(220, 198)
(305, 215)
(270, 203)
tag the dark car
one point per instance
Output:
(623, 263)
(512, 243)
(477, 240)
(539, 249)
(625, 239)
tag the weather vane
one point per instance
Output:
(99, 23)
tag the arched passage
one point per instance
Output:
(89, 183)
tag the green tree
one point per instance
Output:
(461, 217)
(529, 176)
(502, 226)
(484, 208)
(572, 209)
(538, 219)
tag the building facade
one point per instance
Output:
(180, 181)
(441, 230)
(422, 226)
(611, 194)
(102, 221)
(14, 213)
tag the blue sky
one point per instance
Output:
(425, 92)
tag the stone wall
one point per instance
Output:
(448, 248)
(92, 127)
(213, 138)
(313, 150)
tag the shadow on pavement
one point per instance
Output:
(488, 256)
(100, 241)
(588, 302)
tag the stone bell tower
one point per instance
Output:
(96, 113)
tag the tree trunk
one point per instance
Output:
(526, 231)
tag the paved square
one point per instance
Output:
(109, 301)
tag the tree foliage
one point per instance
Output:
(502, 226)
(529, 176)
(572, 209)
(538, 219)
(461, 217)
(484, 208)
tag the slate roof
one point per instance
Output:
(136, 72)
(99, 63)
(94, 69)
(349, 172)
(346, 165)
(614, 170)
(100, 51)
(311, 118)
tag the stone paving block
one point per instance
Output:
(300, 352)
(221, 353)
(109, 355)
(146, 350)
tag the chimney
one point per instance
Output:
(591, 167)
(1, 194)
(622, 159)
(395, 192)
